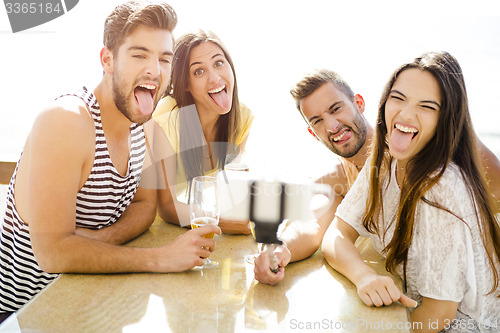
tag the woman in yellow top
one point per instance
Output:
(202, 120)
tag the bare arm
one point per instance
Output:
(300, 239)
(303, 239)
(164, 166)
(433, 311)
(50, 189)
(135, 220)
(340, 252)
(169, 208)
(141, 212)
(173, 211)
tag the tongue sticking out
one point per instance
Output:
(400, 140)
(145, 101)
(221, 99)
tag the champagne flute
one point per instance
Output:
(204, 208)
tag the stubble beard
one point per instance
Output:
(358, 130)
(122, 104)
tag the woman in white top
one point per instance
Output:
(423, 200)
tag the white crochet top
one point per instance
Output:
(446, 260)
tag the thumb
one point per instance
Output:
(212, 228)
(218, 230)
(407, 301)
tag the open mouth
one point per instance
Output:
(144, 94)
(410, 130)
(341, 136)
(150, 88)
(218, 90)
(220, 96)
(402, 136)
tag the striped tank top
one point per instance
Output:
(100, 202)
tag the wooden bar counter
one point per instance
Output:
(313, 297)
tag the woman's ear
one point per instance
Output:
(107, 60)
(359, 102)
(312, 133)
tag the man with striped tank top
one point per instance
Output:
(74, 196)
(334, 116)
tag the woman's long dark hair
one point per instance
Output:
(454, 141)
(191, 141)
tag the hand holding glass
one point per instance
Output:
(204, 208)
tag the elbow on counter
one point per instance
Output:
(49, 258)
(150, 214)
(48, 265)
(326, 245)
(168, 214)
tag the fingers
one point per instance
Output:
(205, 230)
(262, 272)
(261, 261)
(407, 301)
(375, 298)
(393, 292)
(207, 244)
(283, 255)
(218, 231)
(203, 252)
(380, 291)
(365, 298)
(202, 246)
(198, 262)
(270, 278)
(273, 278)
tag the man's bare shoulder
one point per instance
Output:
(67, 114)
(65, 125)
(60, 147)
(337, 179)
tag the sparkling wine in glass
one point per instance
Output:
(204, 208)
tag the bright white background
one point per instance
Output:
(272, 44)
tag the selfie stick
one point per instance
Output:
(266, 231)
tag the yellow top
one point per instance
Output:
(166, 115)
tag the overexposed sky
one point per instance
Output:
(272, 44)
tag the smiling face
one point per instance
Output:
(211, 79)
(141, 72)
(335, 119)
(411, 113)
